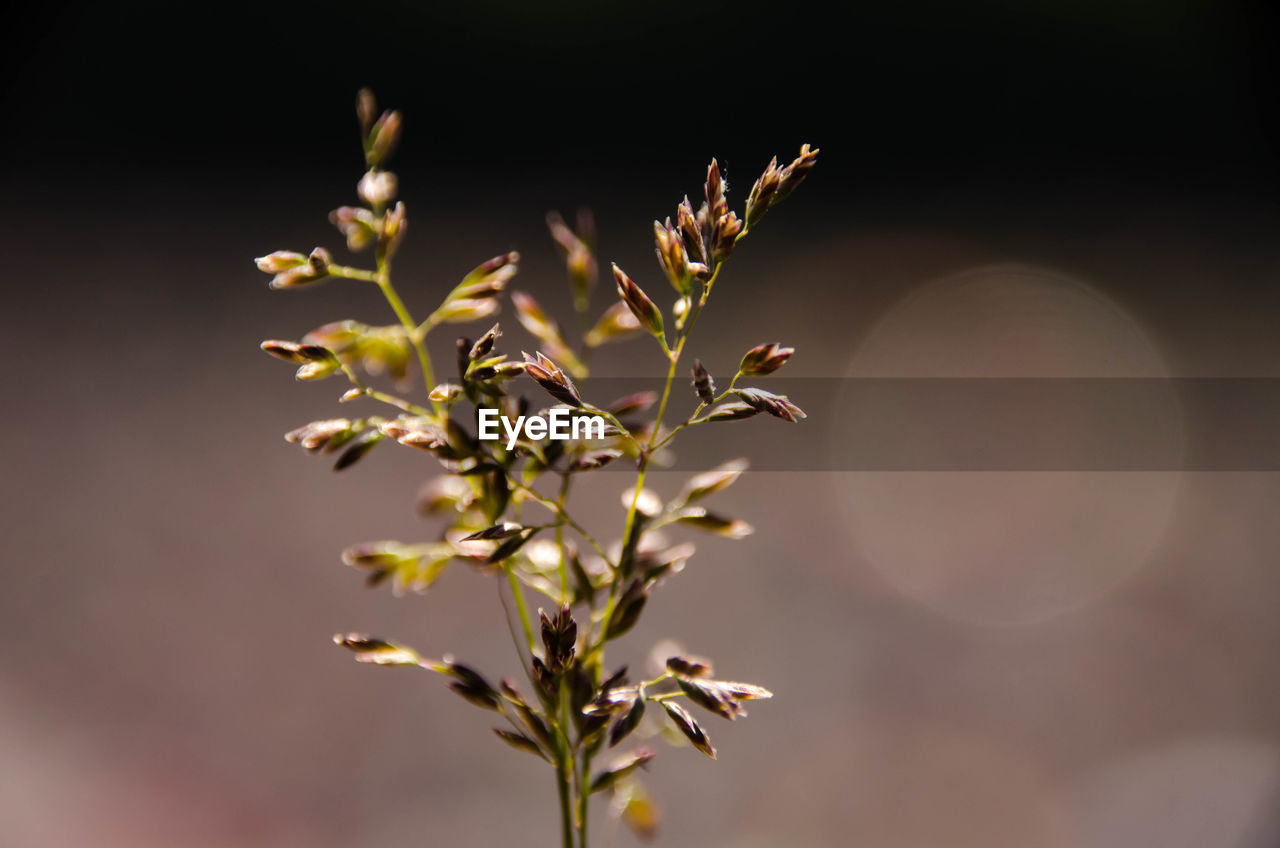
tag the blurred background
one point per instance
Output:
(1071, 658)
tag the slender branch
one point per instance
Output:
(517, 594)
(564, 565)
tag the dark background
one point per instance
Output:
(171, 567)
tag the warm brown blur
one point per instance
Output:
(986, 659)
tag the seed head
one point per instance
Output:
(691, 729)
(703, 384)
(376, 651)
(615, 324)
(715, 189)
(548, 375)
(691, 232)
(326, 435)
(794, 174)
(638, 302)
(724, 236)
(366, 109)
(356, 223)
(394, 224)
(485, 344)
(383, 137)
(763, 192)
(377, 188)
(281, 260)
(776, 405)
(732, 412)
(559, 633)
(764, 359)
(672, 256)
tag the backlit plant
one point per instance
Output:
(508, 510)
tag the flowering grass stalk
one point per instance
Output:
(579, 707)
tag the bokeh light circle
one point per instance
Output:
(1006, 547)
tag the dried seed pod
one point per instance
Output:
(471, 685)
(559, 635)
(534, 722)
(377, 188)
(287, 351)
(548, 684)
(548, 375)
(620, 769)
(764, 359)
(410, 567)
(732, 412)
(317, 370)
(638, 302)
(688, 666)
(615, 697)
(281, 260)
(341, 337)
(508, 548)
(383, 137)
(724, 236)
(326, 435)
(366, 110)
(485, 344)
(647, 503)
(703, 384)
(489, 278)
(615, 324)
(715, 190)
(699, 518)
(691, 729)
(415, 432)
(794, 174)
(776, 405)
(394, 225)
(292, 275)
(709, 482)
(595, 459)
(445, 392)
(627, 612)
(359, 225)
(623, 727)
(521, 742)
(445, 493)
(501, 530)
(633, 403)
(465, 310)
(376, 651)
(356, 450)
(539, 325)
(579, 259)
(691, 233)
(672, 257)
(762, 193)
(709, 698)
(638, 811)
(744, 691)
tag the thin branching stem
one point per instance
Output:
(564, 659)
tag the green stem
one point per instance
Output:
(523, 611)
(694, 419)
(584, 798)
(406, 321)
(564, 565)
(564, 757)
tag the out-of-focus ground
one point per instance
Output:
(988, 659)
